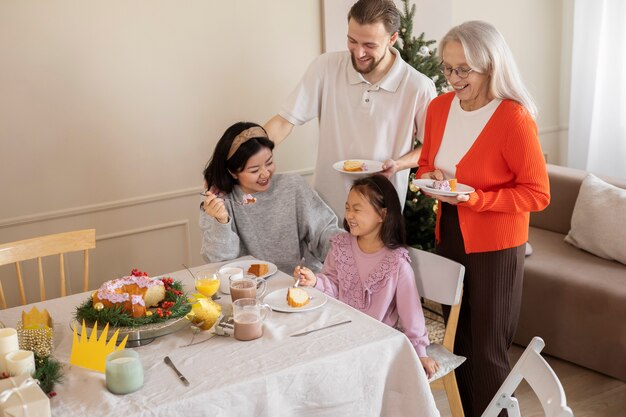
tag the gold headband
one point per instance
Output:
(243, 137)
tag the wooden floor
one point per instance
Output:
(589, 394)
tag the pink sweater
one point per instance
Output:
(380, 284)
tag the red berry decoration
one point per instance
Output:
(138, 273)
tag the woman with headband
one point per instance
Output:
(273, 217)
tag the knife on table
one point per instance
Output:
(321, 328)
(169, 363)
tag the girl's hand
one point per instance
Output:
(430, 366)
(214, 207)
(306, 277)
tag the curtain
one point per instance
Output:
(597, 119)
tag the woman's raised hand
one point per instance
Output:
(214, 207)
(306, 276)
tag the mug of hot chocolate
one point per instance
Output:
(247, 286)
(249, 315)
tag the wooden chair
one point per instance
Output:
(58, 244)
(441, 280)
(541, 378)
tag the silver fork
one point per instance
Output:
(229, 199)
(300, 265)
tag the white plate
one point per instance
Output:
(371, 167)
(278, 300)
(246, 264)
(426, 185)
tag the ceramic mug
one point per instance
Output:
(249, 315)
(248, 286)
(225, 274)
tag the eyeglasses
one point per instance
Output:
(461, 72)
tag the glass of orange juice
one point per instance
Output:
(207, 282)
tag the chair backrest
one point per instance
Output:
(440, 280)
(542, 380)
(39, 247)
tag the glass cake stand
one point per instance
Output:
(137, 336)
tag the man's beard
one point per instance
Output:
(370, 67)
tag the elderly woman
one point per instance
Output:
(273, 217)
(484, 135)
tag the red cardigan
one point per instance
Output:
(506, 167)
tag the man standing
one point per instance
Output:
(369, 102)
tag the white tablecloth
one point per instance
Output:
(363, 368)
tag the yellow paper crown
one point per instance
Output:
(91, 353)
(36, 319)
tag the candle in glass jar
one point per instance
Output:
(20, 362)
(124, 373)
(8, 343)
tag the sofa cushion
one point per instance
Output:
(564, 186)
(599, 220)
(570, 295)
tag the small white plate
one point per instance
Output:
(245, 265)
(278, 300)
(426, 185)
(371, 167)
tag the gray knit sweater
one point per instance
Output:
(287, 221)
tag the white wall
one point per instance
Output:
(533, 30)
(110, 110)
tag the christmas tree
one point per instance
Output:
(419, 210)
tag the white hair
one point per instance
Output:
(486, 52)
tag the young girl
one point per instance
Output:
(273, 217)
(368, 268)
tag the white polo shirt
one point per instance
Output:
(359, 120)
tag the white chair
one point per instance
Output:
(440, 280)
(541, 378)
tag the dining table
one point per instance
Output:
(361, 368)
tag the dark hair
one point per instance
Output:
(366, 12)
(216, 172)
(381, 194)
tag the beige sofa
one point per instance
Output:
(574, 300)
